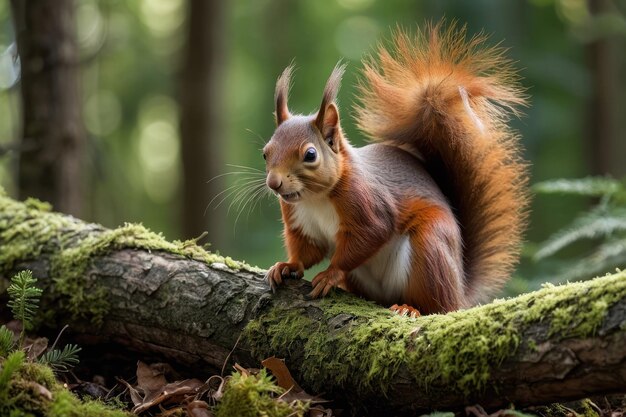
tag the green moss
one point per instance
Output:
(66, 404)
(36, 204)
(252, 396)
(25, 232)
(22, 395)
(39, 373)
(581, 408)
(439, 414)
(9, 367)
(456, 350)
(29, 229)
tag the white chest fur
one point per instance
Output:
(318, 220)
(384, 276)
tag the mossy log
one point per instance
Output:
(190, 307)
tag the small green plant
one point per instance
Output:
(60, 360)
(24, 302)
(12, 363)
(6, 341)
(604, 224)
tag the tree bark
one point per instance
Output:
(176, 301)
(605, 135)
(52, 130)
(201, 104)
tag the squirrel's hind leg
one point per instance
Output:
(436, 283)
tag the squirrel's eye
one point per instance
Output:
(310, 155)
(264, 156)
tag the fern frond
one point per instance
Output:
(590, 186)
(606, 258)
(591, 225)
(61, 360)
(23, 300)
(24, 297)
(6, 341)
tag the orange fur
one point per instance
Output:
(446, 101)
(365, 225)
(449, 100)
(436, 282)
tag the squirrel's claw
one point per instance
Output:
(327, 280)
(405, 310)
(280, 270)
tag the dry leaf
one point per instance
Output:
(168, 413)
(320, 412)
(476, 410)
(175, 392)
(150, 380)
(291, 396)
(243, 371)
(36, 348)
(281, 373)
(285, 380)
(135, 396)
(199, 409)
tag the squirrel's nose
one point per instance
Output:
(274, 181)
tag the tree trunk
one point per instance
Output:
(176, 301)
(202, 107)
(52, 131)
(606, 135)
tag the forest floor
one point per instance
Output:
(109, 382)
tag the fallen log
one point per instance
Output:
(191, 307)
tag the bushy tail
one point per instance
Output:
(449, 99)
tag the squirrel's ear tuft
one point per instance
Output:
(329, 97)
(281, 95)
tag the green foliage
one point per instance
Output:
(253, 395)
(590, 186)
(39, 373)
(604, 224)
(19, 378)
(9, 367)
(24, 302)
(66, 404)
(24, 298)
(598, 223)
(6, 341)
(61, 359)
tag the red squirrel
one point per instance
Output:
(431, 214)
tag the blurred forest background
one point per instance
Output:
(146, 101)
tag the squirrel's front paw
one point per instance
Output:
(405, 310)
(326, 280)
(280, 270)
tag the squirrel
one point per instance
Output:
(427, 218)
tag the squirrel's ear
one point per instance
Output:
(281, 94)
(327, 119)
(330, 126)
